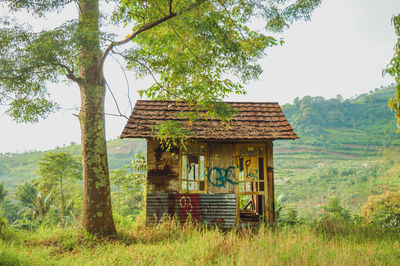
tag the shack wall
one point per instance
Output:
(221, 168)
(218, 205)
(162, 169)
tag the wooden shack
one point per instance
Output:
(225, 176)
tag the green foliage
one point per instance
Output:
(56, 167)
(198, 45)
(128, 188)
(360, 120)
(3, 193)
(172, 134)
(287, 215)
(393, 69)
(17, 168)
(55, 170)
(335, 209)
(34, 205)
(383, 209)
(199, 48)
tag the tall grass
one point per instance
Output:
(324, 243)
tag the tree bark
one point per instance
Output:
(97, 212)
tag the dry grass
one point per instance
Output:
(170, 243)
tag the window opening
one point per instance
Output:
(192, 169)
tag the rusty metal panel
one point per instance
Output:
(209, 209)
(218, 209)
(187, 206)
(157, 205)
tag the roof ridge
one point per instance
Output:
(170, 101)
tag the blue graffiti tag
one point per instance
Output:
(222, 176)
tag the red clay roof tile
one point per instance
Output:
(255, 121)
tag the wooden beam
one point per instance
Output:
(270, 182)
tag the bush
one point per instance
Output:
(334, 209)
(383, 210)
(288, 215)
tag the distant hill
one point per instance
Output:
(360, 126)
(15, 168)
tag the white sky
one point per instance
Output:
(342, 50)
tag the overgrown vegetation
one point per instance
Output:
(330, 240)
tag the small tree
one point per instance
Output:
(393, 69)
(55, 169)
(33, 204)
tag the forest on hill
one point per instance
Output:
(361, 126)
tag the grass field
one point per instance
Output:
(322, 243)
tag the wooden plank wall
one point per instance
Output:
(221, 168)
(162, 169)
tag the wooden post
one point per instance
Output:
(270, 183)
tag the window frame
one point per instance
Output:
(181, 153)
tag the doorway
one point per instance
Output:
(251, 187)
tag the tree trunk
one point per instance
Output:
(97, 213)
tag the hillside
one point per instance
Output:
(15, 168)
(360, 126)
(347, 149)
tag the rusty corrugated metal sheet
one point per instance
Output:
(255, 121)
(156, 206)
(219, 209)
(209, 209)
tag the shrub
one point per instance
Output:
(334, 209)
(383, 209)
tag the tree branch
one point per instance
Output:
(131, 37)
(115, 101)
(145, 27)
(126, 81)
(184, 44)
(155, 79)
(70, 73)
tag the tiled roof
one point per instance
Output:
(255, 121)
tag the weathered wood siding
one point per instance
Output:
(221, 168)
(162, 169)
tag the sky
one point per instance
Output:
(342, 50)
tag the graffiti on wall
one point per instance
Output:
(188, 205)
(219, 177)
